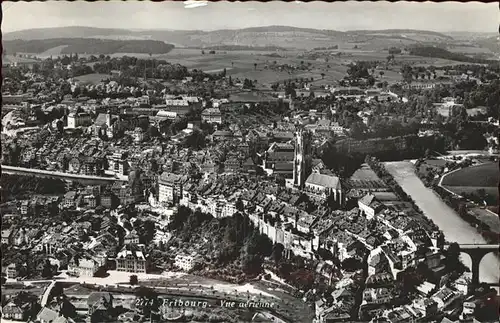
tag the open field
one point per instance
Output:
(240, 63)
(470, 50)
(488, 217)
(92, 78)
(365, 173)
(365, 178)
(250, 97)
(484, 175)
(10, 59)
(55, 51)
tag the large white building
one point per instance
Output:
(76, 120)
(86, 267)
(118, 163)
(185, 262)
(169, 188)
(211, 115)
(132, 261)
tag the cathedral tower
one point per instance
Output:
(302, 158)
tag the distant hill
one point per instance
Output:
(241, 47)
(63, 32)
(418, 35)
(470, 34)
(86, 45)
(492, 43)
(269, 36)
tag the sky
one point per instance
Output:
(342, 16)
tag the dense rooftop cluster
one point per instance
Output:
(147, 179)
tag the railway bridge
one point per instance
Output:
(476, 253)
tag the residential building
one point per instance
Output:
(85, 266)
(166, 115)
(13, 312)
(24, 207)
(181, 106)
(131, 238)
(90, 201)
(444, 297)
(185, 262)
(139, 134)
(107, 200)
(212, 115)
(463, 282)
(6, 236)
(46, 315)
(99, 301)
(131, 260)
(169, 188)
(377, 296)
(11, 271)
(378, 263)
(232, 164)
(118, 163)
(369, 206)
(69, 199)
(426, 306)
(222, 135)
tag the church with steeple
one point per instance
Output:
(302, 162)
(317, 184)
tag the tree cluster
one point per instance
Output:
(432, 51)
(16, 186)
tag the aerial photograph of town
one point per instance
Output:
(273, 162)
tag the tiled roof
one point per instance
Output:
(169, 178)
(101, 119)
(98, 296)
(323, 180)
(47, 315)
(367, 199)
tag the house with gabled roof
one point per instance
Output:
(99, 301)
(46, 315)
(369, 206)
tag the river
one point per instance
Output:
(454, 228)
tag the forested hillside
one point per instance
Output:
(88, 46)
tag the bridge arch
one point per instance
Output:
(476, 253)
(485, 272)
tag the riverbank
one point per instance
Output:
(487, 227)
(454, 228)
